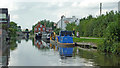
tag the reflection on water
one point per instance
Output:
(40, 44)
(100, 59)
(66, 51)
(13, 44)
(38, 53)
(4, 53)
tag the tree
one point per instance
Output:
(26, 30)
(70, 26)
(57, 30)
(12, 29)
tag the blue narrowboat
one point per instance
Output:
(65, 43)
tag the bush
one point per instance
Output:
(57, 30)
(111, 43)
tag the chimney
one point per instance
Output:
(38, 22)
(45, 24)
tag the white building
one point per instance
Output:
(63, 21)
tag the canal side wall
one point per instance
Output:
(86, 45)
(4, 46)
(0, 47)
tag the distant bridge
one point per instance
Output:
(25, 32)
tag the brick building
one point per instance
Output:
(38, 43)
(49, 29)
(39, 28)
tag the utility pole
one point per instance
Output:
(100, 8)
(61, 22)
(119, 7)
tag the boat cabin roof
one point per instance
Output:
(66, 33)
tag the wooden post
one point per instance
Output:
(50, 39)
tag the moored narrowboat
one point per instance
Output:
(64, 42)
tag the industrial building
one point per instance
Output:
(4, 46)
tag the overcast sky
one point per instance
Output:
(28, 12)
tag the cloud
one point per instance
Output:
(8, 4)
(75, 4)
(28, 12)
(15, 17)
(89, 1)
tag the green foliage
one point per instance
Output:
(57, 30)
(107, 26)
(112, 34)
(13, 25)
(12, 29)
(94, 27)
(33, 29)
(26, 30)
(112, 42)
(13, 44)
(19, 29)
(70, 26)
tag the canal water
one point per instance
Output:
(31, 52)
(27, 53)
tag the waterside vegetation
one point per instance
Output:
(103, 26)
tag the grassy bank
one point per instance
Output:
(101, 46)
(95, 41)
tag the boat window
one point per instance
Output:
(62, 33)
(69, 33)
(66, 33)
